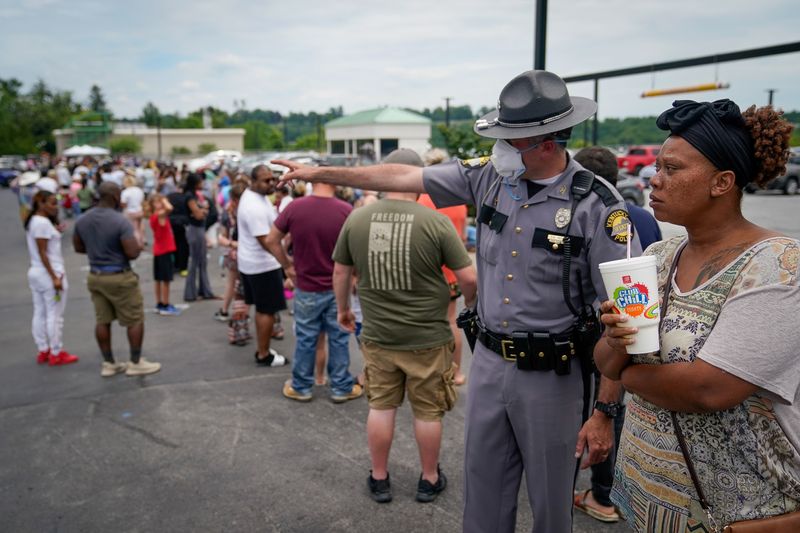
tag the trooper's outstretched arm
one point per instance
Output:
(388, 177)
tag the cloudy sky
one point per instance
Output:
(304, 55)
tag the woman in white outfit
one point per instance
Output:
(132, 199)
(47, 280)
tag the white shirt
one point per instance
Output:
(41, 228)
(132, 197)
(63, 175)
(254, 218)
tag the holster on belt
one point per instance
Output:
(468, 321)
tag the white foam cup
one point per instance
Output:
(632, 284)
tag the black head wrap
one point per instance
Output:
(718, 131)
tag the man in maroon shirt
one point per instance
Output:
(314, 222)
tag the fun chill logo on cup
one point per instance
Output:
(633, 299)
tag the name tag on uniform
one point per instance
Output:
(554, 241)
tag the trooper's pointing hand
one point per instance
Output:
(296, 172)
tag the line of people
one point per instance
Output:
(535, 406)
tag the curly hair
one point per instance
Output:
(770, 133)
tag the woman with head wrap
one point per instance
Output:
(728, 370)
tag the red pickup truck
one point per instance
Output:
(637, 158)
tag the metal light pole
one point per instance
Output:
(158, 133)
(447, 111)
(594, 121)
(771, 93)
(540, 39)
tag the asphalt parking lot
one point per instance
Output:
(207, 444)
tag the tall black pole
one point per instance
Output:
(540, 43)
(771, 93)
(594, 120)
(319, 133)
(447, 111)
(158, 129)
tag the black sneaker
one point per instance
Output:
(427, 491)
(380, 490)
(272, 359)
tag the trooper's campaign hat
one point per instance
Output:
(534, 103)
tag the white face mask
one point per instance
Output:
(507, 160)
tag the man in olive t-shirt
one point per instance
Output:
(397, 248)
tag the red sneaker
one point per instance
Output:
(43, 357)
(63, 358)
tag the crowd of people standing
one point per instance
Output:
(709, 436)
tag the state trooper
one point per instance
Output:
(544, 224)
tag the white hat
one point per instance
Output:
(47, 184)
(29, 178)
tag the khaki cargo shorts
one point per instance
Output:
(426, 374)
(116, 297)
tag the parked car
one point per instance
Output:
(788, 182)
(638, 157)
(9, 169)
(632, 189)
(214, 159)
(646, 173)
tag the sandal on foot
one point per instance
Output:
(579, 502)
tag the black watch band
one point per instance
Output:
(611, 410)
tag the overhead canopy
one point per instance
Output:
(85, 149)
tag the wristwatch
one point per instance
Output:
(611, 410)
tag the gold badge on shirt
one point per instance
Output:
(563, 216)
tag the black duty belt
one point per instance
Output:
(533, 350)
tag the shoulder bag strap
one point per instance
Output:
(678, 432)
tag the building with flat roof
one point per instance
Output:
(101, 133)
(383, 130)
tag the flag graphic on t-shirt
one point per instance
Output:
(390, 251)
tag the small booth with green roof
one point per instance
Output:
(374, 133)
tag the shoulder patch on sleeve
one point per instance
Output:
(475, 162)
(605, 193)
(616, 226)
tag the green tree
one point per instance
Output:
(309, 141)
(97, 101)
(204, 148)
(261, 136)
(125, 145)
(180, 150)
(150, 114)
(219, 118)
(464, 143)
(27, 120)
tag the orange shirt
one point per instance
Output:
(458, 217)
